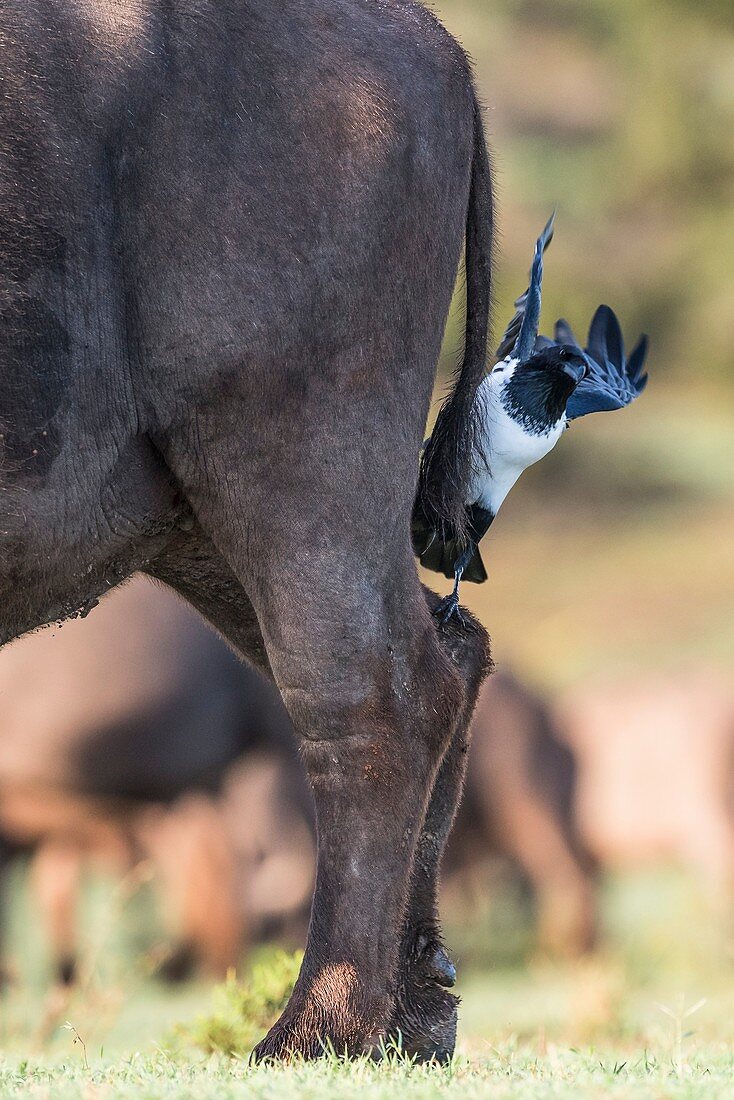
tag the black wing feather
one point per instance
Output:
(636, 362)
(532, 294)
(613, 380)
(563, 334)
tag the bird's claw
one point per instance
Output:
(449, 609)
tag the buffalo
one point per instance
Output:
(229, 234)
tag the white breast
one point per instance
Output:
(507, 447)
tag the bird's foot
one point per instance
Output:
(449, 609)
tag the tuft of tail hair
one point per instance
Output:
(446, 462)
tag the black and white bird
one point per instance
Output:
(521, 409)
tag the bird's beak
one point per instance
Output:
(576, 371)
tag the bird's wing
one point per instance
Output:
(613, 380)
(528, 304)
(563, 334)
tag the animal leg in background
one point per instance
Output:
(564, 890)
(197, 878)
(56, 872)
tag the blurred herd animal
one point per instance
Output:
(136, 735)
(229, 238)
(520, 802)
(656, 773)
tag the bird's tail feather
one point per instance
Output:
(441, 555)
(446, 463)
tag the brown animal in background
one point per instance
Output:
(519, 802)
(183, 846)
(655, 772)
(227, 869)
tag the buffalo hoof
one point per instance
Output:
(332, 1017)
(305, 1039)
(67, 970)
(425, 1016)
(440, 968)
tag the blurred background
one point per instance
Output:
(154, 825)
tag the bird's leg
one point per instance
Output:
(449, 607)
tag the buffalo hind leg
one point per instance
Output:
(425, 1013)
(361, 684)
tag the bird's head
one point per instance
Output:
(535, 391)
(536, 377)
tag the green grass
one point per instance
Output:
(651, 1015)
(504, 1071)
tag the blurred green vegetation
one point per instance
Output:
(613, 556)
(622, 116)
(244, 1010)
